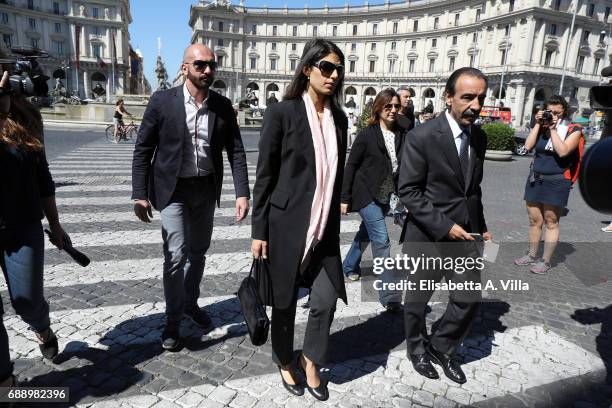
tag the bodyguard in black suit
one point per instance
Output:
(439, 183)
(301, 137)
(178, 168)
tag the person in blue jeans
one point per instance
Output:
(27, 192)
(370, 177)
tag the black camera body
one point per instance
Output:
(26, 76)
(547, 117)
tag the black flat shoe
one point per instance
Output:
(321, 392)
(47, 343)
(451, 368)
(295, 389)
(422, 365)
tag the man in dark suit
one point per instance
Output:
(178, 168)
(405, 118)
(439, 183)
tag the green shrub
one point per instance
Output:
(499, 136)
(363, 118)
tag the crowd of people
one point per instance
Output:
(429, 174)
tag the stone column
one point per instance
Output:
(527, 55)
(86, 84)
(519, 105)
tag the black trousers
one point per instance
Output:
(450, 330)
(323, 298)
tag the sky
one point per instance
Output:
(168, 19)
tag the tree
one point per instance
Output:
(363, 118)
(162, 74)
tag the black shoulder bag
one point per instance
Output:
(254, 293)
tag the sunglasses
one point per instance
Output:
(390, 106)
(327, 68)
(200, 65)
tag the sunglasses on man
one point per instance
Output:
(327, 68)
(201, 65)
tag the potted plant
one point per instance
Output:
(500, 141)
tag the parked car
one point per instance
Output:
(519, 145)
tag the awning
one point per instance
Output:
(582, 120)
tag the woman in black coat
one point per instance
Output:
(369, 179)
(296, 208)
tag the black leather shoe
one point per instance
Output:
(200, 318)
(451, 368)
(295, 389)
(170, 337)
(422, 365)
(47, 343)
(393, 307)
(321, 392)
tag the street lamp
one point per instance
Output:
(567, 46)
(505, 63)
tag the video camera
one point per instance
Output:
(26, 76)
(596, 168)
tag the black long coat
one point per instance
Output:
(283, 194)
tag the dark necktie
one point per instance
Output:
(464, 157)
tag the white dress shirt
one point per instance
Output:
(197, 157)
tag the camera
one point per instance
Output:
(547, 117)
(26, 76)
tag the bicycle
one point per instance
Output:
(125, 132)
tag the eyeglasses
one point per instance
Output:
(390, 106)
(327, 68)
(200, 65)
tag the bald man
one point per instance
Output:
(178, 170)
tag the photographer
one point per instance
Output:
(27, 192)
(556, 158)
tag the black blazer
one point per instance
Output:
(431, 183)
(368, 165)
(283, 193)
(158, 154)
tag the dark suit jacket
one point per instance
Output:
(431, 183)
(368, 165)
(283, 193)
(407, 121)
(158, 154)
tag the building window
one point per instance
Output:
(434, 43)
(56, 9)
(436, 22)
(293, 46)
(451, 64)
(34, 43)
(411, 66)
(503, 57)
(96, 50)
(591, 10)
(315, 31)
(391, 66)
(253, 29)
(393, 45)
(596, 66)
(32, 23)
(474, 37)
(5, 18)
(511, 5)
(432, 64)
(220, 42)
(372, 66)
(507, 31)
(253, 63)
(335, 31)
(373, 47)
(295, 31)
(607, 14)
(353, 47)
(220, 60)
(292, 64)
(574, 93)
(58, 27)
(220, 26)
(273, 64)
(274, 30)
(354, 29)
(478, 12)
(6, 38)
(395, 27)
(375, 29)
(585, 36)
(557, 5)
(95, 12)
(552, 30)
(31, 4)
(580, 64)
(273, 46)
(454, 40)
(457, 16)
(351, 66)
(548, 58)
(472, 60)
(58, 47)
(253, 44)
(415, 26)
(413, 45)
(95, 30)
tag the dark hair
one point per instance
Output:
(314, 51)
(451, 83)
(558, 100)
(384, 97)
(119, 101)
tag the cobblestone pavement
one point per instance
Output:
(549, 347)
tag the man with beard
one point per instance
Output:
(178, 169)
(439, 183)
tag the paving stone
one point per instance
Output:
(243, 401)
(222, 394)
(190, 399)
(423, 397)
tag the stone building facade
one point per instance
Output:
(416, 43)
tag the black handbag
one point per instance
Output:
(251, 304)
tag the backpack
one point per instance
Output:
(571, 173)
